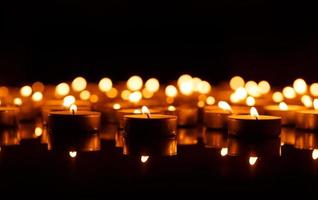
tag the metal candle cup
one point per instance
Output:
(307, 119)
(288, 116)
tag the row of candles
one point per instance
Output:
(150, 112)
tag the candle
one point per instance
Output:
(187, 116)
(217, 118)
(308, 119)
(149, 126)
(214, 139)
(73, 121)
(286, 112)
(254, 125)
(8, 116)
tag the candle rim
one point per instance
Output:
(290, 108)
(77, 113)
(260, 117)
(152, 116)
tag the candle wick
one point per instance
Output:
(73, 111)
(256, 117)
(148, 115)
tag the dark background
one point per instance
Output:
(58, 40)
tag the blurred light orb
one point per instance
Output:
(204, 87)
(26, 91)
(134, 83)
(264, 87)
(62, 89)
(210, 100)
(105, 84)
(277, 97)
(79, 84)
(85, 95)
(152, 85)
(314, 89)
(300, 86)
(171, 91)
(112, 93)
(289, 92)
(37, 96)
(236, 82)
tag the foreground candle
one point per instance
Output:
(149, 126)
(254, 125)
(308, 119)
(73, 121)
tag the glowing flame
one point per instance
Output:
(225, 106)
(145, 111)
(252, 160)
(171, 108)
(315, 104)
(37, 96)
(144, 159)
(38, 131)
(250, 101)
(300, 86)
(73, 108)
(152, 85)
(116, 106)
(224, 151)
(171, 91)
(315, 154)
(307, 101)
(134, 83)
(135, 97)
(289, 92)
(62, 89)
(277, 97)
(253, 112)
(72, 154)
(314, 89)
(204, 87)
(210, 100)
(236, 82)
(186, 87)
(264, 87)
(252, 89)
(68, 101)
(26, 91)
(283, 106)
(17, 101)
(79, 84)
(105, 84)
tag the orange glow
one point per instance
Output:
(135, 97)
(112, 93)
(252, 89)
(26, 91)
(38, 131)
(184, 78)
(241, 93)
(250, 101)
(125, 94)
(134, 83)
(236, 82)
(277, 97)
(116, 106)
(37, 96)
(204, 87)
(307, 101)
(62, 89)
(201, 104)
(225, 106)
(264, 87)
(224, 151)
(144, 159)
(252, 160)
(283, 106)
(145, 110)
(196, 83)
(186, 87)
(253, 112)
(315, 154)
(300, 86)
(315, 104)
(234, 98)
(171, 108)
(314, 89)
(72, 154)
(85, 95)
(152, 85)
(17, 101)
(137, 111)
(4, 91)
(73, 108)
(171, 91)
(146, 93)
(38, 87)
(68, 101)
(94, 98)
(79, 84)
(105, 84)
(210, 100)
(289, 92)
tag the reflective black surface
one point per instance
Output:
(206, 161)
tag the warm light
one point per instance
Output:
(73, 108)
(252, 89)
(250, 101)
(146, 94)
(38, 87)
(171, 91)
(224, 151)
(72, 154)
(152, 85)
(204, 87)
(125, 94)
(237, 82)
(264, 87)
(234, 98)
(38, 131)
(184, 78)
(196, 83)
(68, 101)
(171, 108)
(94, 98)
(116, 106)
(314, 89)
(62, 89)
(315, 104)
(300, 86)
(37, 96)
(112, 93)
(289, 92)
(4, 91)
(240, 93)
(145, 110)
(277, 97)
(79, 84)
(135, 97)
(252, 160)
(315, 154)
(210, 100)
(26, 91)
(201, 104)
(17, 101)
(85, 95)
(225, 106)
(186, 87)
(134, 83)
(307, 101)
(283, 106)
(105, 84)
(144, 159)
(137, 111)
(201, 97)
(253, 112)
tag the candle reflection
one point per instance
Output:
(144, 159)
(72, 154)
(315, 154)
(224, 151)
(252, 160)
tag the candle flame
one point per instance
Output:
(17, 101)
(253, 112)
(144, 159)
(145, 111)
(224, 151)
(283, 106)
(68, 101)
(38, 131)
(225, 106)
(252, 160)
(171, 108)
(306, 100)
(315, 154)
(137, 111)
(116, 106)
(72, 154)
(316, 104)
(73, 108)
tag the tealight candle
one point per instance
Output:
(8, 116)
(187, 116)
(308, 119)
(286, 112)
(73, 121)
(254, 125)
(149, 126)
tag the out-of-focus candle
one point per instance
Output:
(217, 118)
(308, 119)
(8, 116)
(186, 115)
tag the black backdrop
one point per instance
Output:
(57, 40)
